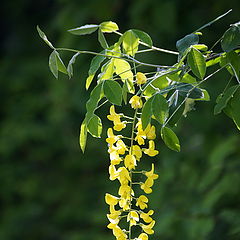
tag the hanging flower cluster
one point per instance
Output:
(127, 207)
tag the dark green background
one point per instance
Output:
(49, 190)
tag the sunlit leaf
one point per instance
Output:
(70, 65)
(83, 136)
(197, 63)
(231, 39)
(130, 43)
(170, 139)
(44, 37)
(113, 92)
(108, 27)
(107, 70)
(144, 37)
(160, 108)
(102, 40)
(146, 113)
(94, 126)
(201, 47)
(83, 30)
(123, 69)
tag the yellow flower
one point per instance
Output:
(146, 216)
(142, 236)
(151, 150)
(150, 132)
(114, 174)
(117, 231)
(114, 157)
(111, 200)
(123, 176)
(142, 202)
(130, 162)
(133, 218)
(137, 152)
(118, 125)
(148, 228)
(111, 137)
(141, 135)
(113, 217)
(125, 191)
(146, 187)
(124, 204)
(151, 174)
(141, 78)
(136, 102)
(121, 147)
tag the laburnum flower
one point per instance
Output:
(151, 173)
(126, 193)
(146, 216)
(142, 236)
(123, 176)
(121, 147)
(150, 132)
(133, 218)
(114, 157)
(148, 228)
(142, 202)
(146, 187)
(130, 161)
(114, 174)
(141, 78)
(111, 137)
(111, 200)
(117, 231)
(141, 135)
(136, 102)
(118, 124)
(113, 217)
(137, 152)
(151, 149)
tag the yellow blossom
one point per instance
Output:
(141, 78)
(141, 135)
(151, 173)
(118, 125)
(151, 150)
(137, 152)
(113, 217)
(124, 204)
(142, 236)
(114, 174)
(136, 102)
(146, 187)
(123, 176)
(125, 191)
(142, 202)
(150, 132)
(117, 231)
(111, 137)
(133, 218)
(146, 216)
(148, 228)
(121, 147)
(111, 200)
(114, 157)
(130, 162)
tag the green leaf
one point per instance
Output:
(201, 47)
(146, 113)
(83, 30)
(95, 96)
(231, 39)
(94, 66)
(170, 139)
(83, 136)
(113, 92)
(189, 90)
(177, 115)
(160, 108)
(44, 37)
(223, 99)
(235, 107)
(108, 27)
(186, 42)
(70, 64)
(102, 40)
(123, 69)
(197, 63)
(94, 126)
(130, 42)
(53, 64)
(144, 37)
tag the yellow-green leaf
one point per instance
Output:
(108, 27)
(83, 30)
(83, 136)
(44, 37)
(94, 126)
(130, 43)
(123, 69)
(113, 92)
(170, 138)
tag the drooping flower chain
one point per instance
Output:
(123, 164)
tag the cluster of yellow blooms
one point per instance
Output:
(123, 162)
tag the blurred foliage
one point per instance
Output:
(49, 190)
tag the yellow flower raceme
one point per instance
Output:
(111, 137)
(136, 102)
(141, 78)
(146, 216)
(148, 228)
(118, 125)
(142, 236)
(130, 162)
(151, 150)
(142, 202)
(133, 218)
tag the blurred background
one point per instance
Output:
(48, 189)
